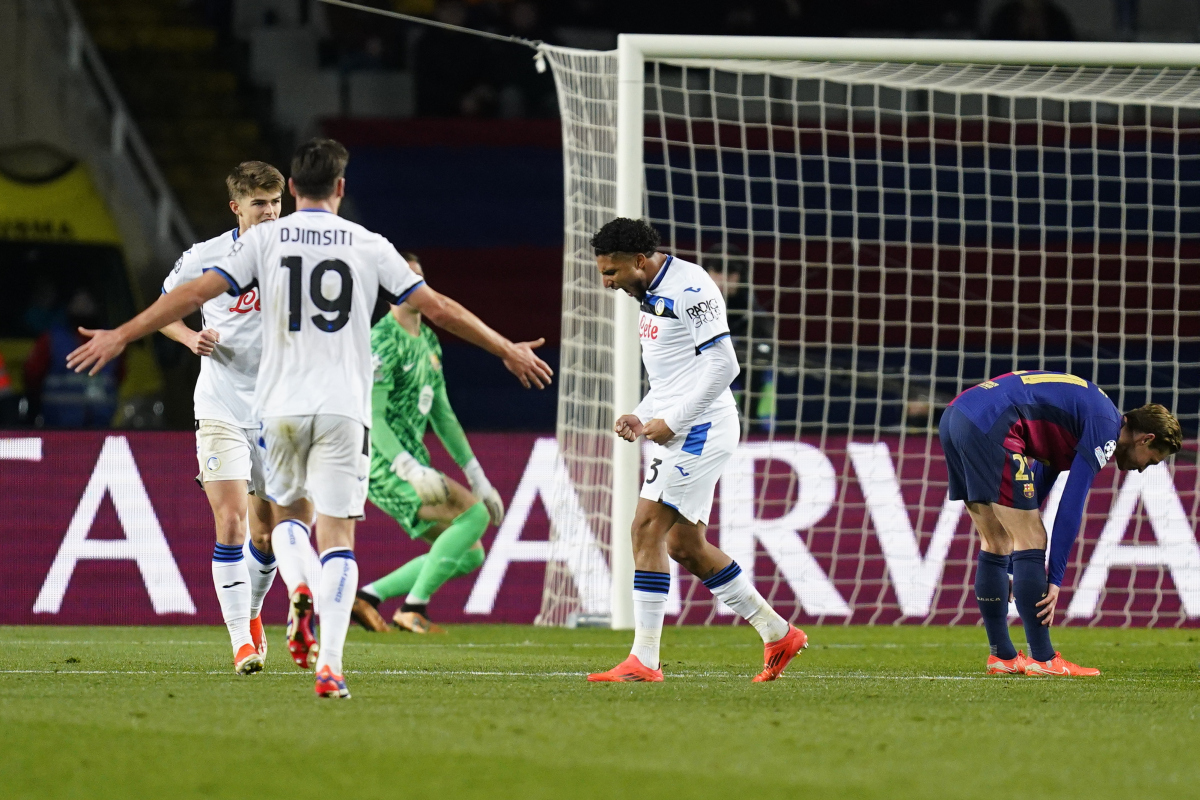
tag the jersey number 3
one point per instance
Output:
(339, 305)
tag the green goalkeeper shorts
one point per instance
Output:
(396, 498)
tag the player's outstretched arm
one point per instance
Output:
(104, 345)
(518, 357)
(201, 343)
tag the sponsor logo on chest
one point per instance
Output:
(648, 327)
(246, 303)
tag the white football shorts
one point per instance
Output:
(228, 453)
(324, 457)
(683, 473)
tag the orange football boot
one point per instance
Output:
(258, 637)
(1059, 666)
(1013, 666)
(777, 655)
(247, 661)
(301, 642)
(331, 685)
(631, 670)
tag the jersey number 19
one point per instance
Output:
(339, 305)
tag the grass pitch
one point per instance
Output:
(500, 711)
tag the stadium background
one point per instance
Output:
(456, 155)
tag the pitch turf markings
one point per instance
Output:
(798, 676)
(574, 645)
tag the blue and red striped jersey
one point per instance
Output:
(1047, 416)
(1060, 420)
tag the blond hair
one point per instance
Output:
(249, 177)
(1156, 419)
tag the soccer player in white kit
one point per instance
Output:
(690, 416)
(231, 472)
(319, 277)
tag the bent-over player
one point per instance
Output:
(690, 416)
(319, 277)
(409, 395)
(230, 344)
(994, 435)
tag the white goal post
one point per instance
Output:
(792, 88)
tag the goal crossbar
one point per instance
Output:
(919, 51)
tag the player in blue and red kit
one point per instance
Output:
(1005, 441)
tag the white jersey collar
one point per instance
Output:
(662, 272)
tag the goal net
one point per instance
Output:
(889, 232)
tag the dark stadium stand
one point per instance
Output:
(180, 79)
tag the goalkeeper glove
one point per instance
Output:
(428, 483)
(482, 488)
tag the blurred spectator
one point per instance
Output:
(10, 403)
(448, 69)
(43, 311)
(751, 327)
(60, 398)
(1031, 20)
(370, 55)
(1127, 19)
(481, 101)
(217, 13)
(419, 8)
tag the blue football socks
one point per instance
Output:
(1029, 588)
(991, 593)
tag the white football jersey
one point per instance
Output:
(683, 314)
(318, 278)
(225, 388)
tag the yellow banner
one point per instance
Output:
(66, 209)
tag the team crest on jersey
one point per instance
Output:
(214, 464)
(660, 306)
(1029, 491)
(246, 303)
(433, 360)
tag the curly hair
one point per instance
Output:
(1156, 419)
(624, 235)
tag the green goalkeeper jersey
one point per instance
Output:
(409, 394)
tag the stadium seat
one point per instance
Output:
(382, 94)
(302, 97)
(249, 15)
(278, 52)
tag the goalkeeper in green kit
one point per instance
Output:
(410, 392)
